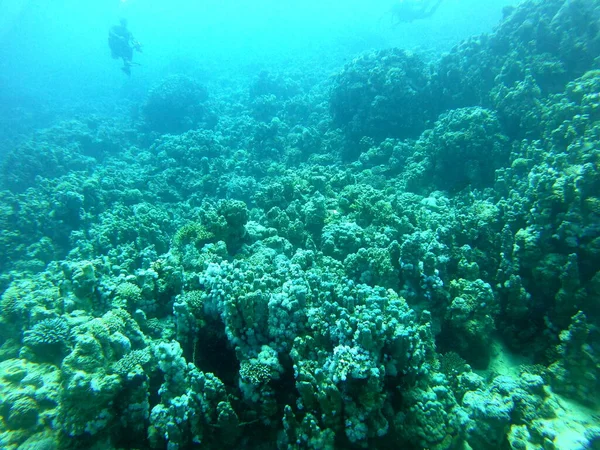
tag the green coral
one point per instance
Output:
(577, 372)
(23, 413)
(192, 233)
(470, 320)
(471, 136)
(48, 338)
(175, 104)
(30, 399)
(382, 94)
(128, 295)
(261, 370)
(131, 361)
(451, 364)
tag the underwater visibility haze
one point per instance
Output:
(300, 225)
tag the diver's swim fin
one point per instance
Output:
(127, 67)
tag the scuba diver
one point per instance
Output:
(122, 44)
(405, 11)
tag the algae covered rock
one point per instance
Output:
(30, 400)
(551, 42)
(577, 372)
(176, 105)
(382, 94)
(465, 147)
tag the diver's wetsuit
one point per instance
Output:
(119, 41)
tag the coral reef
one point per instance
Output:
(176, 104)
(383, 94)
(403, 255)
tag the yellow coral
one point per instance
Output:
(192, 232)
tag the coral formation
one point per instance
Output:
(403, 255)
(176, 104)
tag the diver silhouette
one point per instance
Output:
(122, 44)
(405, 11)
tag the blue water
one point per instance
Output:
(54, 55)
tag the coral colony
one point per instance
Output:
(404, 255)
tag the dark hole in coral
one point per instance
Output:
(213, 353)
(285, 386)
(156, 379)
(394, 386)
(255, 434)
(134, 435)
